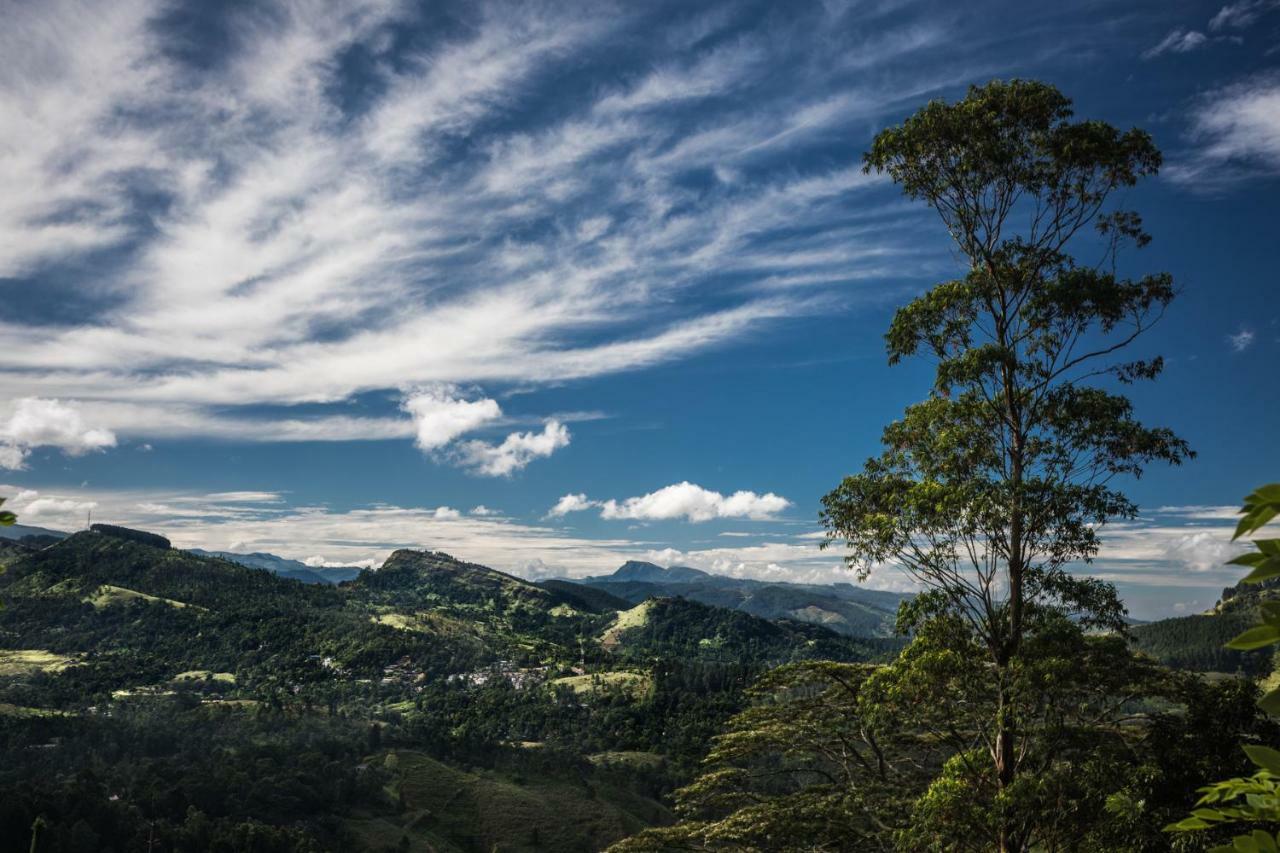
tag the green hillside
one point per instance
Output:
(432, 702)
(1197, 642)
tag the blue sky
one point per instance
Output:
(550, 286)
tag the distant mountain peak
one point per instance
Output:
(639, 570)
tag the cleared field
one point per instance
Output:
(24, 661)
(206, 675)
(107, 595)
(7, 710)
(423, 623)
(627, 619)
(627, 758)
(634, 683)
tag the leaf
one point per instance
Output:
(1271, 702)
(1267, 569)
(1269, 547)
(1250, 559)
(1269, 493)
(1256, 638)
(1265, 757)
(1254, 519)
(7, 518)
(1266, 841)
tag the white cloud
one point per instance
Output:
(1201, 550)
(571, 503)
(483, 511)
(1236, 131)
(12, 457)
(1241, 340)
(59, 512)
(515, 452)
(36, 422)
(445, 513)
(1240, 15)
(1177, 41)
(440, 415)
(696, 504)
(305, 255)
(783, 562)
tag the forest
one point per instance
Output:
(153, 698)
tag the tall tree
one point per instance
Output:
(990, 488)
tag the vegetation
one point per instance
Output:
(186, 702)
(989, 489)
(1256, 799)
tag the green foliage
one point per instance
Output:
(447, 659)
(1198, 642)
(800, 769)
(991, 487)
(7, 519)
(1255, 799)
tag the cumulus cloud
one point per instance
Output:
(1201, 550)
(37, 422)
(57, 511)
(440, 415)
(483, 511)
(12, 457)
(445, 513)
(514, 452)
(692, 503)
(571, 503)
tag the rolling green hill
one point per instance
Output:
(155, 690)
(1197, 642)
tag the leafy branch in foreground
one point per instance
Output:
(1255, 799)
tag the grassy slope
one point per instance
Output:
(447, 809)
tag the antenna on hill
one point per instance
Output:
(88, 519)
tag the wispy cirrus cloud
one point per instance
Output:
(1177, 41)
(273, 229)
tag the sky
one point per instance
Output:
(549, 286)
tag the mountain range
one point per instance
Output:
(285, 567)
(844, 608)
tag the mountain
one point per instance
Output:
(407, 706)
(1198, 641)
(585, 597)
(285, 567)
(426, 578)
(636, 570)
(689, 630)
(39, 537)
(843, 608)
